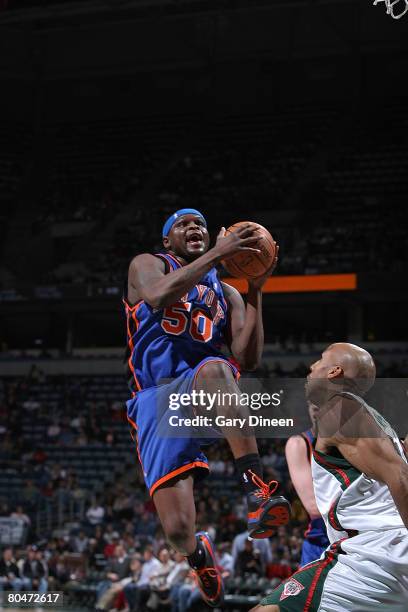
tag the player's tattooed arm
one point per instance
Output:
(377, 458)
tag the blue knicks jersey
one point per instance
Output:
(164, 343)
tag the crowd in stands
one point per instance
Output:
(105, 541)
(71, 478)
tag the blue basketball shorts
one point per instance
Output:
(311, 552)
(162, 456)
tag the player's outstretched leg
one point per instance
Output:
(174, 502)
(265, 510)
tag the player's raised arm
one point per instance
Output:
(246, 325)
(147, 279)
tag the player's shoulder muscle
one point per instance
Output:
(145, 261)
(296, 445)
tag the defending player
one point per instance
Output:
(178, 316)
(360, 477)
(299, 451)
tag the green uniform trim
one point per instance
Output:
(345, 473)
(302, 592)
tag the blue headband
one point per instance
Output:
(183, 211)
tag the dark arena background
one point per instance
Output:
(113, 115)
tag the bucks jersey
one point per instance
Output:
(365, 569)
(349, 501)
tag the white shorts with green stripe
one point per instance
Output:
(365, 573)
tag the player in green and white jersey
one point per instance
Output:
(360, 477)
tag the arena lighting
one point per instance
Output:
(302, 283)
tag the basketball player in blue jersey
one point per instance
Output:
(299, 451)
(179, 314)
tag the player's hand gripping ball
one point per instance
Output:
(248, 264)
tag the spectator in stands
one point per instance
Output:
(95, 513)
(146, 525)
(94, 555)
(62, 493)
(188, 596)
(271, 458)
(107, 533)
(78, 494)
(59, 572)
(4, 508)
(111, 543)
(176, 578)
(217, 465)
(31, 406)
(10, 578)
(80, 542)
(137, 593)
(122, 505)
(67, 436)
(159, 589)
(225, 557)
(53, 431)
(263, 546)
(117, 568)
(41, 558)
(30, 494)
(62, 545)
(33, 572)
(110, 439)
(82, 438)
(249, 561)
(21, 515)
(99, 539)
(116, 588)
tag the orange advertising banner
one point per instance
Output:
(301, 284)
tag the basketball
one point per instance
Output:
(251, 265)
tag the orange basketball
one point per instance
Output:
(251, 265)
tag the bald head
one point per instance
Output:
(355, 362)
(341, 364)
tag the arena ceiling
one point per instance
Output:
(70, 54)
(93, 37)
